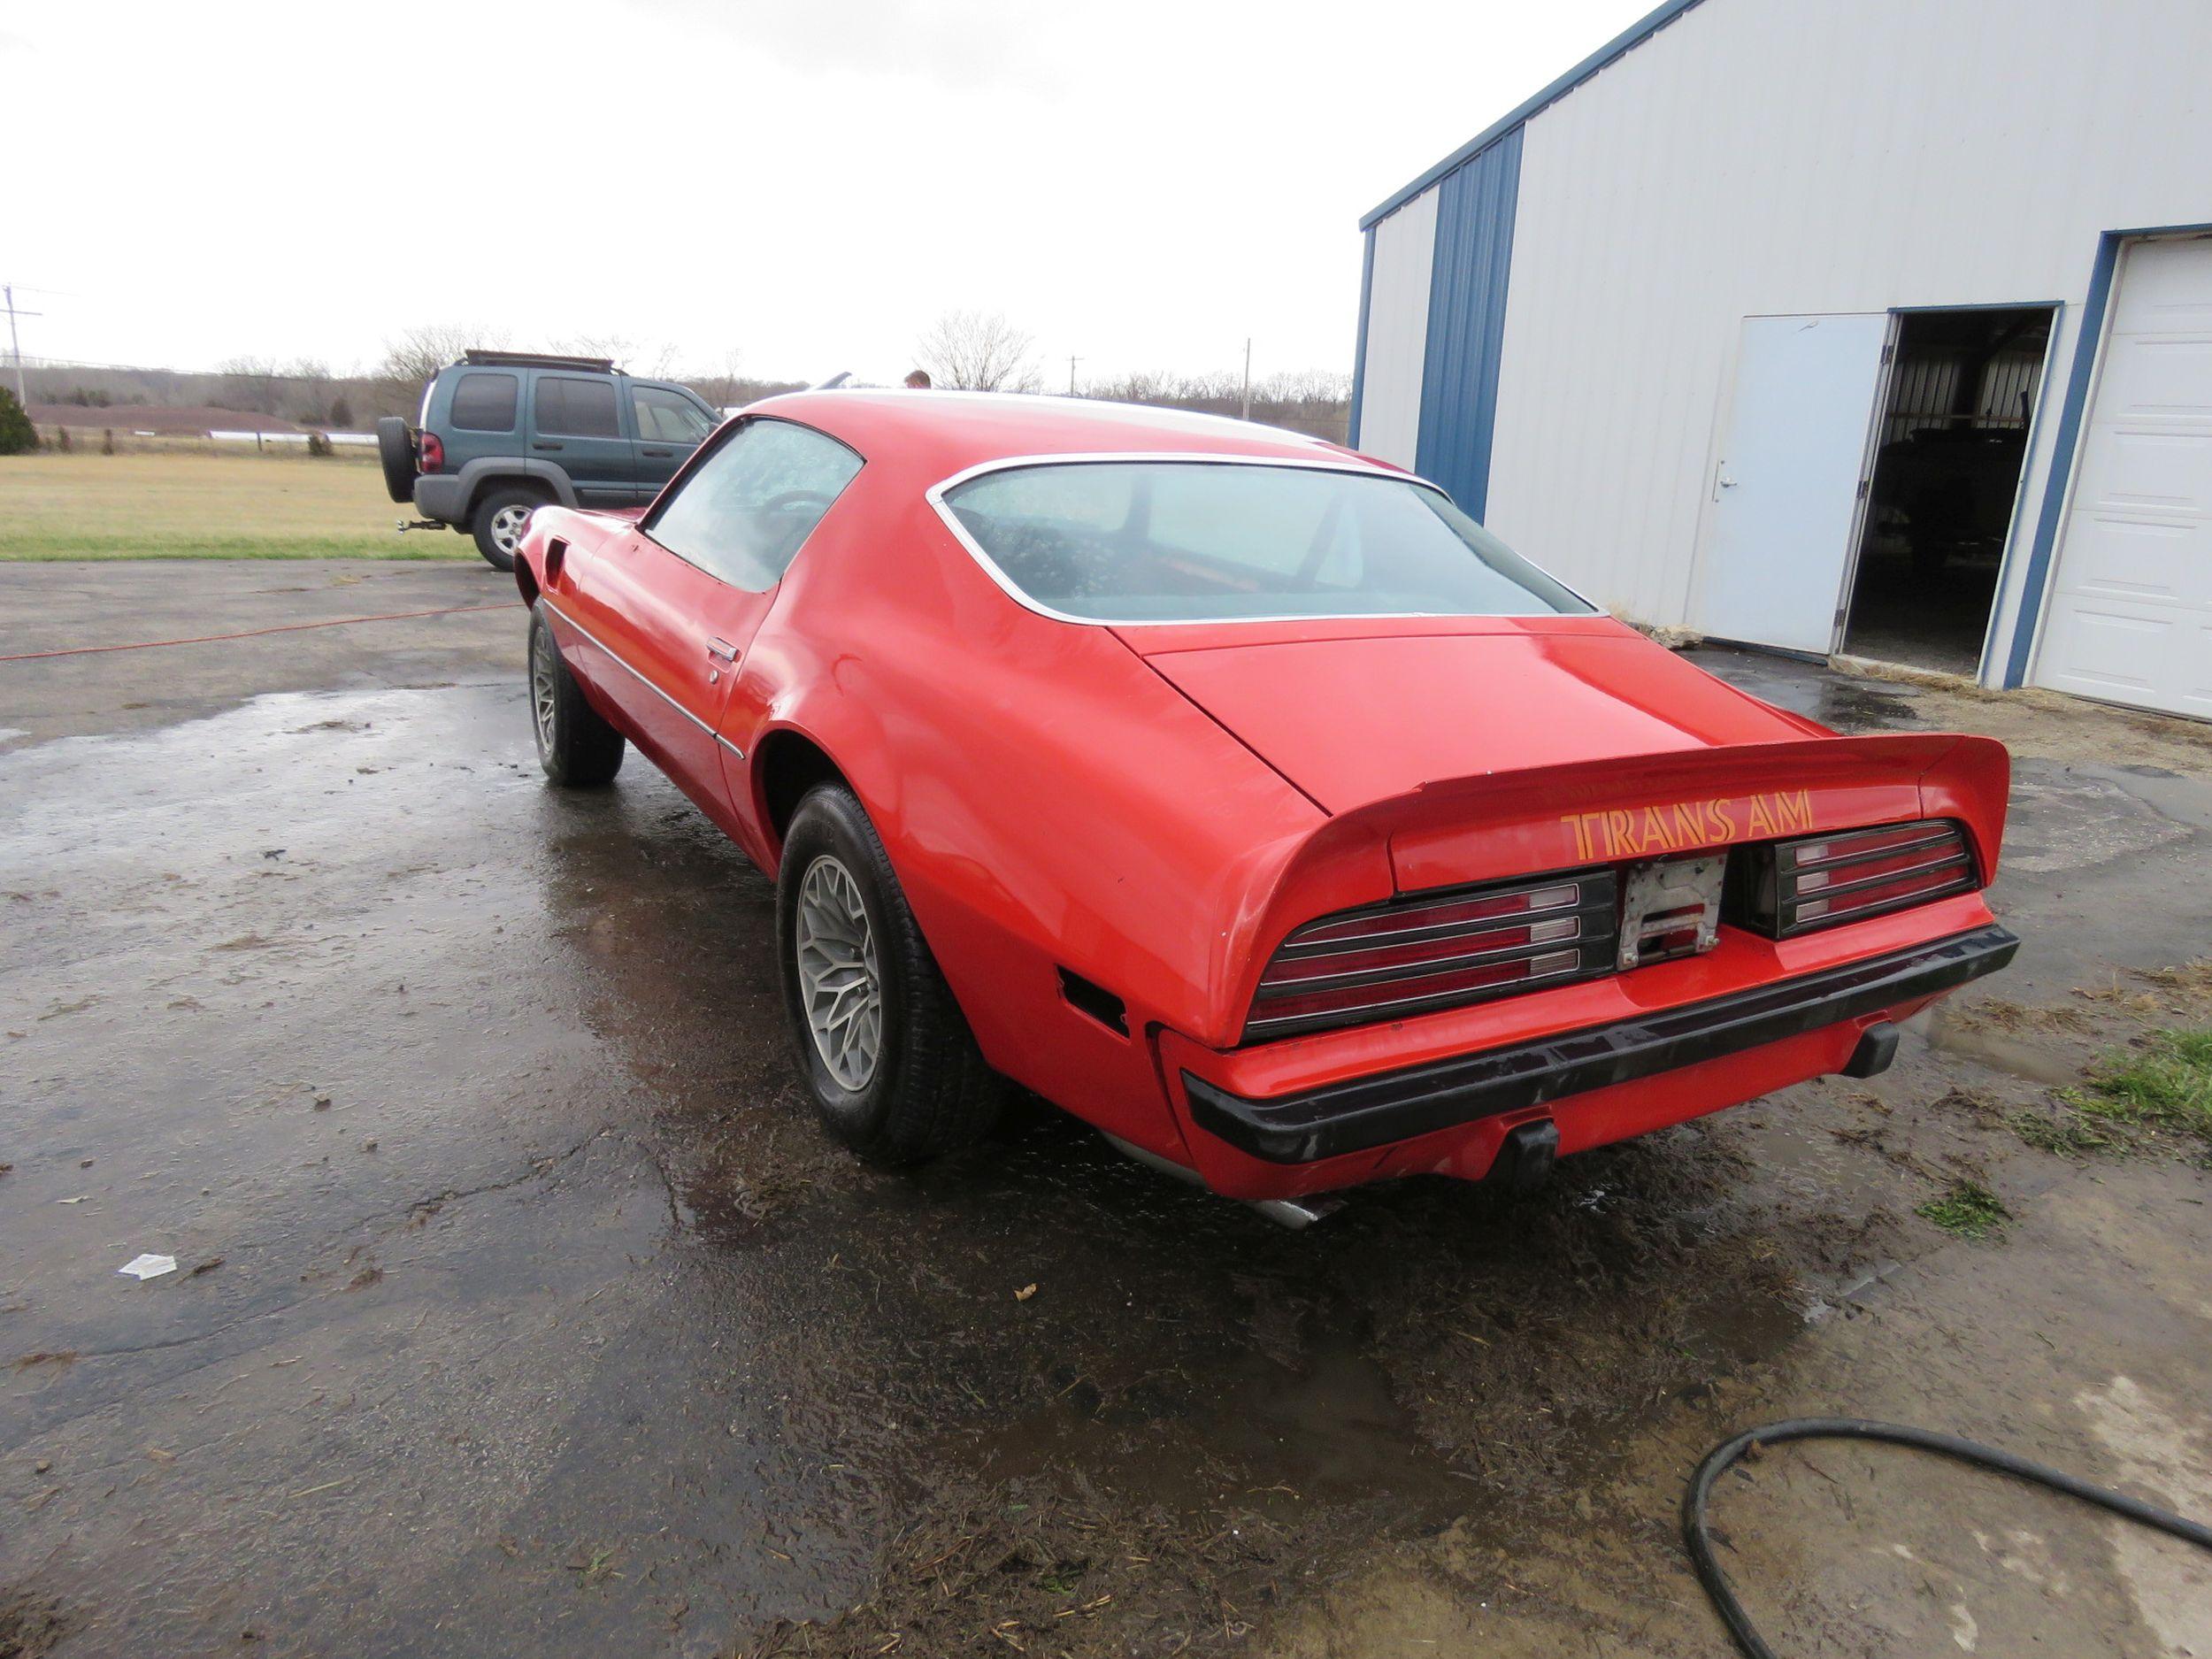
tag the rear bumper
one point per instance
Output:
(1367, 1112)
(441, 495)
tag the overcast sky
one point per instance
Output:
(804, 186)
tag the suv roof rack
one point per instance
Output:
(481, 358)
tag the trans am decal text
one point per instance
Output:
(1642, 831)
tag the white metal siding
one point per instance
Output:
(1771, 156)
(1398, 331)
(2131, 607)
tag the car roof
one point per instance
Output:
(954, 431)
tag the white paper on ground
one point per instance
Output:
(148, 1266)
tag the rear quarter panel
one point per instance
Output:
(1046, 799)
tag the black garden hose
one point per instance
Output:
(1724, 1457)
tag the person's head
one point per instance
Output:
(918, 380)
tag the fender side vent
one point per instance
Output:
(1094, 1000)
(555, 550)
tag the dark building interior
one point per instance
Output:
(1963, 392)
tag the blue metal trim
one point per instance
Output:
(1359, 348)
(1618, 47)
(1470, 272)
(2087, 349)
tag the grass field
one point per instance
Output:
(179, 505)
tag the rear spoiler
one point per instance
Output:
(1654, 806)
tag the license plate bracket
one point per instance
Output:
(1669, 907)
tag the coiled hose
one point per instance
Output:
(1724, 1456)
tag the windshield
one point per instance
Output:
(1215, 542)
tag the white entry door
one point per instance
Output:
(2131, 607)
(1786, 492)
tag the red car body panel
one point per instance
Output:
(1155, 807)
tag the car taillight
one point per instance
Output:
(1437, 950)
(1824, 880)
(431, 455)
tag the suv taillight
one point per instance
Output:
(430, 454)
(1825, 880)
(1438, 951)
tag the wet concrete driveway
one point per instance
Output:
(519, 1309)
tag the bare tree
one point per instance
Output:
(1315, 401)
(978, 351)
(414, 356)
(729, 386)
(623, 351)
(252, 384)
(306, 389)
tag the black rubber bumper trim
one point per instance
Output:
(1372, 1111)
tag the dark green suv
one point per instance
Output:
(504, 432)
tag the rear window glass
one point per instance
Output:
(484, 402)
(1208, 541)
(577, 409)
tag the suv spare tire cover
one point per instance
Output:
(395, 448)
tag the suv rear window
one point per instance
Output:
(484, 403)
(577, 409)
(1213, 541)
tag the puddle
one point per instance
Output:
(2001, 1052)
(616, 1300)
(1812, 690)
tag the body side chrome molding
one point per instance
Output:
(619, 661)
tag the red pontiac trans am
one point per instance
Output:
(1238, 794)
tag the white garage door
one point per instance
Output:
(2131, 612)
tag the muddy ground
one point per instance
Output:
(521, 1311)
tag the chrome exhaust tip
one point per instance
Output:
(1297, 1214)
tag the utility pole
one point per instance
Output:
(1247, 414)
(15, 346)
(1072, 361)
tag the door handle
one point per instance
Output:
(657, 455)
(545, 446)
(722, 649)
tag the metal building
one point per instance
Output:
(1881, 327)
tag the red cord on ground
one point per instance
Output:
(248, 633)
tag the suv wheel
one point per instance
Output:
(501, 517)
(887, 1057)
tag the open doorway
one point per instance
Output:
(1954, 438)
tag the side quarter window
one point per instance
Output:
(745, 510)
(483, 402)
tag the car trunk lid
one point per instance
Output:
(1365, 716)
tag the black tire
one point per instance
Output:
(495, 523)
(929, 1091)
(396, 449)
(576, 748)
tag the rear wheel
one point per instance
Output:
(396, 452)
(499, 521)
(893, 1069)
(576, 747)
